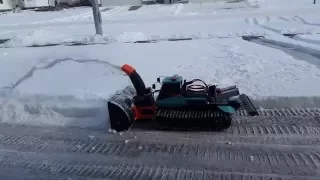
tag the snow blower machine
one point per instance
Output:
(177, 104)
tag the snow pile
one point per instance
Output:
(131, 37)
(96, 39)
(36, 37)
(47, 38)
(256, 3)
(52, 111)
(67, 97)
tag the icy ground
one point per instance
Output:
(63, 85)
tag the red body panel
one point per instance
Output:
(143, 112)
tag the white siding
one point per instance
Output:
(6, 4)
(65, 1)
(29, 3)
(120, 2)
(70, 2)
(40, 3)
(37, 3)
(204, 1)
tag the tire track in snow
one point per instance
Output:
(317, 42)
(304, 21)
(280, 31)
(35, 68)
(284, 19)
(299, 52)
(311, 55)
(261, 24)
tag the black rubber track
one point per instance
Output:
(271, 146)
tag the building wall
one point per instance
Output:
(120, 2)
(6, 4)
(70, 2)
(37, 3)
(204, 1)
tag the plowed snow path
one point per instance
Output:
(281, 149)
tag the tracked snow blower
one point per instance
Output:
(177, 104)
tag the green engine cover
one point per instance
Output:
(170, 97)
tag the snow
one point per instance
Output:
(314, 38)
(52, 111)
(311, 47)
(65, 85)
(36, 37)
(222, 61)
(32, 17)
(45, 37)
(284, 24)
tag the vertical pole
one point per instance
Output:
(97, 17)
(314, 1)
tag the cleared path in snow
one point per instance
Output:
(254, 147)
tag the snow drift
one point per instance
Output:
(47, 38)
(39, 110)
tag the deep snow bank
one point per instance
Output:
(256, 3)
(40, 110)
(46, 38)
(63, 103)
(64, 91)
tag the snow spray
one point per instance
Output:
(97, 61)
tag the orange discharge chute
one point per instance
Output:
(128, 69)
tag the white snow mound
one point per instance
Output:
(44, 37)
(53, 111)
(256, 3)
(131, 37)
(36, 37)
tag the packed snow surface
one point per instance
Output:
(64, 85)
